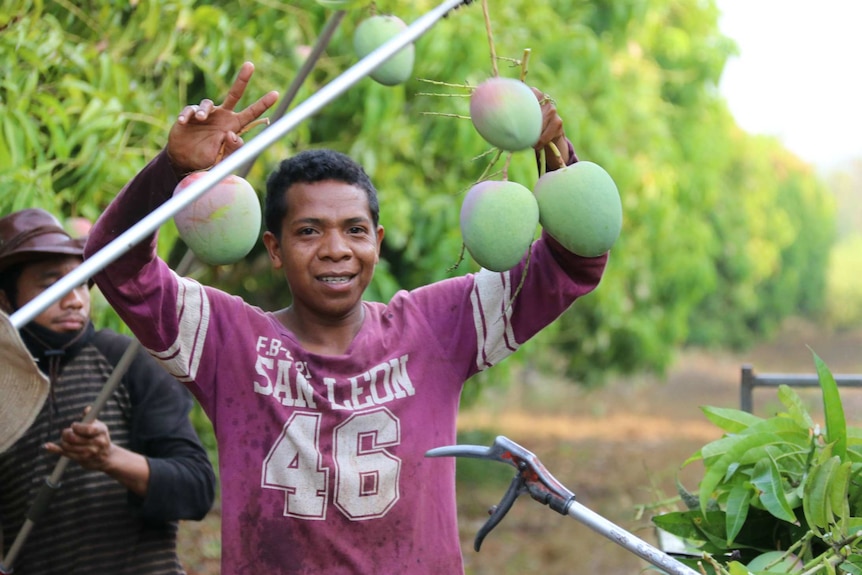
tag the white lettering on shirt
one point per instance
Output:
(287, 381)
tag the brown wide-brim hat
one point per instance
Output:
(29, 234)
(23, 387)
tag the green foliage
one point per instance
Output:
(780, 484)
(844, 284)
(724, 235)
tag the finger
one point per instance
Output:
(552, 130)
(186, 114)
(232, 143)
(236, 91)
(197, 111)
(257, 109)
(204, 109)
(89, 431)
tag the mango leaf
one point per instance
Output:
(712, 530)
(737, 509)
(739, 447)
(767, 479)
(782, 427)
(678, 523)
(854, 489)
(737, 568)
(853, 564)
(730, 420)
(707, 531)
(816, 495)
(838, 501)
(795, 408)
(836, 426)
(696, 456)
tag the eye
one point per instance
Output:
(48, 282)
(356, 230)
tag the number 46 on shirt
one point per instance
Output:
(364, 484)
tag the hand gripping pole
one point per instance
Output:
(532, 477)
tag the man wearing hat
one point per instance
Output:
(134, 472)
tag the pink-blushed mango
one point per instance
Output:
(78, 227)
(222, 225)
(498, 223)
(506, 113)
(375, 31)
(579, 206)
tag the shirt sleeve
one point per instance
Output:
(138, 285)
(182, 479)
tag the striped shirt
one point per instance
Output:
(93, 524)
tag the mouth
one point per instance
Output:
(335, 279)
(71, 322)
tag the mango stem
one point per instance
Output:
(244, 129)
(524, 61)
(487, 15)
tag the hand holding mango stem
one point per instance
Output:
(553, 138)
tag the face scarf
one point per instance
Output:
(52, 350)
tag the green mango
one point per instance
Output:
(580, 207)
(375, 31)
(498, 223)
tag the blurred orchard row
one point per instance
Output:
(724, 234)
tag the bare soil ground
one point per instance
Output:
(618, 448)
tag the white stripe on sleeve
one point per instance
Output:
(492, 316)
(183, 356)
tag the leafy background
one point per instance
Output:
(726, 235)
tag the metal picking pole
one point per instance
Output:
(534, 479)
(629, 541)
(257, 145)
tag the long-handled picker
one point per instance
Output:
(532, 477)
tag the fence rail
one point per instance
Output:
(750, 380)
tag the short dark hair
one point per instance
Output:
(308, 167)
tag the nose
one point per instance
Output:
(76, 298)
(334, 246)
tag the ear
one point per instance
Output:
(5, 304)
(273, 248)
(380, 233)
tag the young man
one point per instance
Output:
(136, 470)
(324, 410)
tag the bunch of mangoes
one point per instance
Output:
(578, 205)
